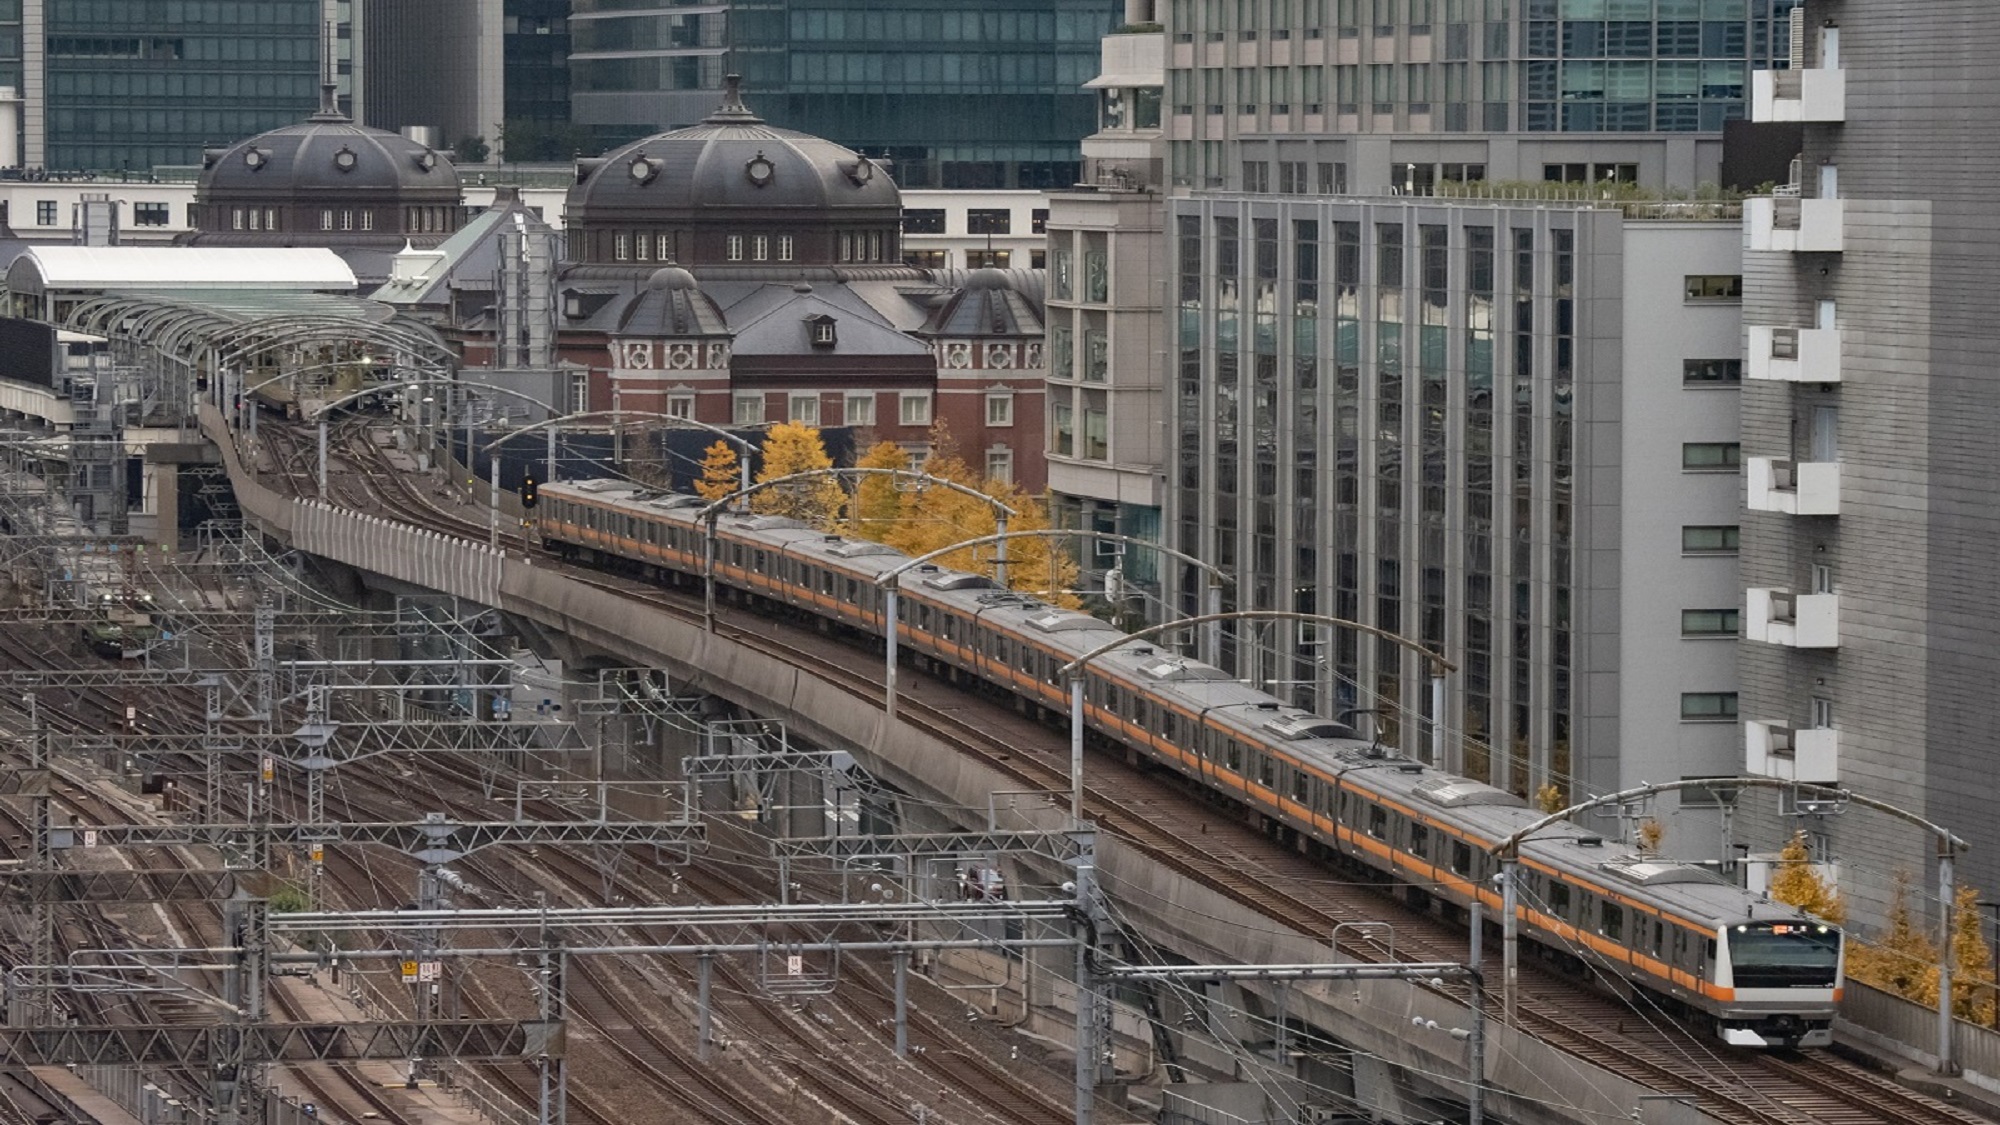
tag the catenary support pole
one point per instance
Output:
(549, 462)
(708, 577)
(891, 607)
(1000, 553)
(1475, 1048)
(1947, 906)
(322, 456)
(1076, 749)
(902, 959)
(1510, 940)
(704, 980)
(493, 500)
(1437, 719)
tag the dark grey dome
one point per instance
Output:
(731, 190)
(328, 153)
(326, 182)
(987, 303)
(672, 277)
(670, 310)
(732, 159)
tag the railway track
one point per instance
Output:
(1206, 844)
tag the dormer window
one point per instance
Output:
(572, 304)
(823, 330)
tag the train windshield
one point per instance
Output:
(1785, 955)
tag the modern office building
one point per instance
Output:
(1372, 96)
(454, 70)
(955, 96)
(1869, 408)
(1413, 415)
(1408, 410)
(109, 86)
(1107, 438)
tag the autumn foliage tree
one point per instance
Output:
(1797, 882)
(719, 473)
(878, 500)
(1971, 961)
(921, 519)
(791, 448)
(1903, 961)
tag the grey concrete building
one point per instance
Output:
(1373, 96)
(1413, 414)
(1872, 526)
(1107, 263)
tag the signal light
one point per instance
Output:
(529, 495)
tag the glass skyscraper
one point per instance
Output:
(972, 96)
(129, 86)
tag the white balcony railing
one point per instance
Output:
(1789, 223)
(1777, 749)
(1794, 355)
(1781, 617)
(1814, 94)
(1799, 488)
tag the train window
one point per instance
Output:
(1299, 784)
(826, 583)
(758, 562)
(1378, 822)
(1420, 840)
(1559, 899)
(1708, 951)
(1659, 936)
(1461, 857)
(1267, 771)
(1233, 755)
(1611, 921)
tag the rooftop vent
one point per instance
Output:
(1590, 841)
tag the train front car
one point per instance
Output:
(1777, 976)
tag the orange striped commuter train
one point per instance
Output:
(1757, 972)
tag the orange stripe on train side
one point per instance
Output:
(1389, 857)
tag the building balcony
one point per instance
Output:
(1798, 488)
(1814, 94)
(1808, 754)
(1800, 226)
(1781, 617)
(1794, 355)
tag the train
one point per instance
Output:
(1754, 972)
(120, 632)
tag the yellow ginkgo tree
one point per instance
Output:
(791, 448)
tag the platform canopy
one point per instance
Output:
(86, 269)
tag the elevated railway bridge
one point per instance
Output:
(1185, 878)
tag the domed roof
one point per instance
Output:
(987, 303)
(327, 154)
(732, 160)
(664, 308)
(671, 278)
